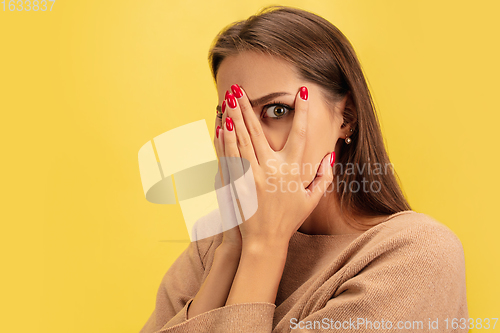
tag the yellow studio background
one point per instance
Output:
(85, 85)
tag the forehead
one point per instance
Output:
(257, 73)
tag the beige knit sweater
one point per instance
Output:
(406, 274)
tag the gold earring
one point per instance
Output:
(347, 139)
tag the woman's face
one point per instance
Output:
(260, 75)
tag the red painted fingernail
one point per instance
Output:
(231, 101)
(303, 93)
(227, 93)
(332, 158)
(236, 90)
(223, 107)
(229, 124)
(217, 131)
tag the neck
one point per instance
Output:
(326, 218)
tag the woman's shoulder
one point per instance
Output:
(410, 249)
(418, 232)
(409, 256)
(419, 226)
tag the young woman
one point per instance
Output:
(327, 248)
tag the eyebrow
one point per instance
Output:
(262, 100)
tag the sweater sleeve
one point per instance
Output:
(410, 281)
(178, 292)
(178, 289)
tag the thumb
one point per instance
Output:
(323, 179)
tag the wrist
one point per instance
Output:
(229, 251)
(265, 247)
(259, 272)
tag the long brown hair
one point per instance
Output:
(323, 55)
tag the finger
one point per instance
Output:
(223, 168)
(242, 137)
(295, 144)
(323, 179)
(226, 207)
(225, 196)
(245, 147)
(231, 152)
(261, 148)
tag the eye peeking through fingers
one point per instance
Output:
(276, 110)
